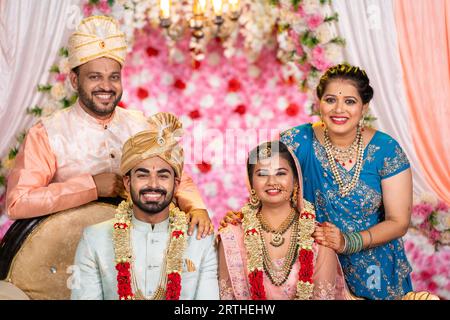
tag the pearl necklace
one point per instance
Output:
(345, 189)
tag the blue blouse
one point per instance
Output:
(382, 272)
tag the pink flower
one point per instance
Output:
(61, 77)
(442, 206)
(104, 7)
(421, 213)
(88, 9)
(313, 21)
(301, 11)
(318, 59)
(434, 235)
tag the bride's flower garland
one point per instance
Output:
(253, 245)
(124, 253)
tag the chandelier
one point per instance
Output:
(206, 19)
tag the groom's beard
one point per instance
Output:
(151, 207)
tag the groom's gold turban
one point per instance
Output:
(162, 140)
(96, 37)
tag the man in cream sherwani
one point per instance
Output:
(145, 252)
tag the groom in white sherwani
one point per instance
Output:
(145, 251)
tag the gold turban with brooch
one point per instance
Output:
(96, 37)
(162, 140)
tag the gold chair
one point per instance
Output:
(36, 255)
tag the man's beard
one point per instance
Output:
(88, 101)
(151, 207)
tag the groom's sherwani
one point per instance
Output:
(95, 276)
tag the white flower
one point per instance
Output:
(232, 99)
(233, 203)
(252, 121)
(190, 88)
(227, 180)
(214, 81)
(282, 103)
(445, 238)
(254, 71)
(150, 106)
(8, 163)
(64, 66)
(49, 106)
(299, 26)
(420, 241)
(213, 59)
(177, 56)
(229, 52)
(58, 91)
(137, 59)
(442, 221)
(266, 114)
(186, 121)
(324, 33)
(311, 6)
(333, 52)
(207, 101)
(163, 99)
(256, 100)
(210, 189)
(167, 79)
(429, 198)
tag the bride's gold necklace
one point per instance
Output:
(277, 275)
(277, 238)
(331, 152)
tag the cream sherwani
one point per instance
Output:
(55, 165)
(95, 277)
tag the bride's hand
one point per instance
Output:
(328, 235)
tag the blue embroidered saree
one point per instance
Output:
(381, 272)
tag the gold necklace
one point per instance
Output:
(345, 189)
(342, 155)
(277, 238)
(280, 275)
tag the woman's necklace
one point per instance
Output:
(278, 275)
(277, 238)
(345, 189)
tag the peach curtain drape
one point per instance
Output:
(423, 28)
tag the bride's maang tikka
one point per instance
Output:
(265, 152)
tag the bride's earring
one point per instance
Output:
(294, 196)
(254, 200)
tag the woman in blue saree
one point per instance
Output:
(359, 180)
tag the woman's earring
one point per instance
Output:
(294, 196)
(322, 124)
(361, 123)
(254, 200)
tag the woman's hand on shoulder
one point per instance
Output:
(232, 217)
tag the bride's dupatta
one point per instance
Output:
(327, 276)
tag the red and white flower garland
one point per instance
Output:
(124, 253)
(253, 245)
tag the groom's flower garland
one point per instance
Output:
(124, 253)
(253, 245)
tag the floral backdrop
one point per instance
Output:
(232, 94)
(216, 96)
